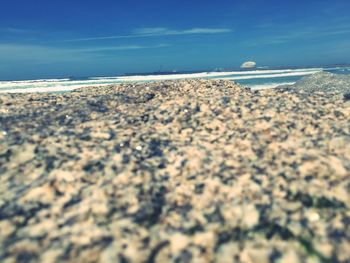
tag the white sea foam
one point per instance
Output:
(60, 85)
(48, 84)
(205, 75)
(267, 76)
(33, 81)
(47, 89)
(269, 85)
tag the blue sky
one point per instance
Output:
(42, 39)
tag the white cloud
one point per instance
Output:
(158, 31)
(15, 30)
(207, 31)
(40, 53)
(116, 48)
(151, 30)
(162, 31)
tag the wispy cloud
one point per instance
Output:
(156, 32)
(14, 30)
(117, 48)
(163, 31)
(37, 53)
(41, 53)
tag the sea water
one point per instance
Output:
(256, 79)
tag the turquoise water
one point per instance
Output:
(277, 79)
(268, 82)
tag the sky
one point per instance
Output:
(52, 39)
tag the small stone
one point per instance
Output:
(25, 249)
(178, 242)
(250, 216)
(338, 143)
(347, 96)
(149, 96)
(225, 100)
(41, 228)
(100, 208)
(109, 254)
(43, 194)
(313, 216)
(62, 175)
(205, 239)
(6, 229)
(103, 135)
(308, 167)
(51, 256)
(325, 248)
(227, 253)
(139, 148)
(26, 153)
(253, 255)
(290, 256)
(337, 166)
(3, 135)
(125, 159)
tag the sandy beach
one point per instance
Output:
(175, 171)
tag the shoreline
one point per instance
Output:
(256, 79)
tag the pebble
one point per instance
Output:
(178, 242)
(313, 217)
(3, 135)
(139, 148)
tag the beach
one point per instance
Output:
(175, 171)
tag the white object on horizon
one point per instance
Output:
(248, 65)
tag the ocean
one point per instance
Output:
(256, 79)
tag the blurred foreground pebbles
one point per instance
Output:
(175, 171)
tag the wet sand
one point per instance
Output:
(175, 171)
